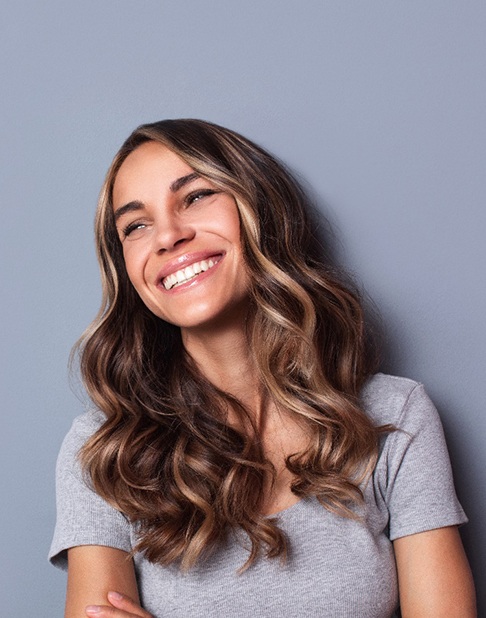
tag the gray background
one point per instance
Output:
(380, 106)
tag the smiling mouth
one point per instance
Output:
(189, 272)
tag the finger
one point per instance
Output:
(108, 611)
(124, 602)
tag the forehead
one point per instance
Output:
(150, 166)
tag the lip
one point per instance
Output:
(184, 260)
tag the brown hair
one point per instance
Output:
(165, 456)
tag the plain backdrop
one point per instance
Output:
(379, 106)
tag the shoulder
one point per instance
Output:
(83, 426)
(83, 517)
(412, 481)
(394, 400)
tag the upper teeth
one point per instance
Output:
(183, 275)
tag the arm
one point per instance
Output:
(434, 577)
(93, 535)
(93, 571)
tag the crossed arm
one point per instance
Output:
(94, 571)
(433, 575)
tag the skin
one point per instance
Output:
(161, 228)
(434, 577)
(92, 572)
(166, 217)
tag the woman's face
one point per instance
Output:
(181, 240)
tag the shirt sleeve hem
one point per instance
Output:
(58, 553)
(458, 518)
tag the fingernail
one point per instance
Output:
(115, 595)
(93, 609)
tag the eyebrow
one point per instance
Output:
(130, 207)
(174, 187)
(184, 180)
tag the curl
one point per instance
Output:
(166, 455)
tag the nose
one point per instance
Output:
(172, 231)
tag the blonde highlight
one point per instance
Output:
(165, 456)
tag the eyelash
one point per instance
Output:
(131, 227)
(195, 196)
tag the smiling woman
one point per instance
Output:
(243, 458)
(180, 237)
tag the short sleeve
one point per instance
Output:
(419, 492)
(83, 517)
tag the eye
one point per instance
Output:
(195, 196)
(132, 227)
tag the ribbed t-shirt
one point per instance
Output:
(337, 567)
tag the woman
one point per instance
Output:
(242, 460)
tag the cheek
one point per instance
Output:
(144, 293)
(135, 265)
(135, 268)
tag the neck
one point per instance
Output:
(225, 359)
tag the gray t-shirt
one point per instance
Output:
(337, 567)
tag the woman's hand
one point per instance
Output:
(121, 607)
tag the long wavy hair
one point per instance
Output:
(166, 456)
